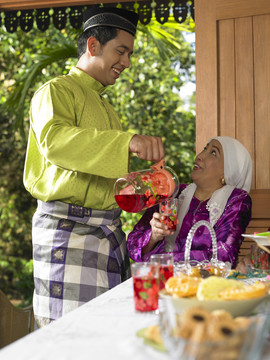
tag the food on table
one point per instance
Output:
(248, 292)
(222, 314)
(207, 334)
(190, 319)
(210, 288)
(153, 333)
(214, 288)
(215, 335)
(182, 286)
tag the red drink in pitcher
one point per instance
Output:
(131, 203)
(134, 203)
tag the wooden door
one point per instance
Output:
(233, 85)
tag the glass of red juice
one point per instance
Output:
(166, 267)
(145, 285)
(168, 210)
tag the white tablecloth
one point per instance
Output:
(103, 328)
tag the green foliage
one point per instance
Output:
(146, 98)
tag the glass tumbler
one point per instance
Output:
(168, 209)
(166, 267)
(145, 285)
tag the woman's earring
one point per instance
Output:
(223, 181)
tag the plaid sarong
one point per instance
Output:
(79, 253)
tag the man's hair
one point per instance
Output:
(102, 33)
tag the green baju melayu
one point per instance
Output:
(76, 150)
(76, 145)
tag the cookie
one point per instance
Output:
(183, 286)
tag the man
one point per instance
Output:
(76, 151)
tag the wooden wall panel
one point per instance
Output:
(240, 69)
(206, 68)
(244, 78)
(227, 9)
(262, 92)
(226, 78)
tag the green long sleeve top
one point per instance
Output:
(76, 147)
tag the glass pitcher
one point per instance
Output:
(143, 189)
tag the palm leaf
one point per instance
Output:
(16, 101)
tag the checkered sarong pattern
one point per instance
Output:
(78, 253)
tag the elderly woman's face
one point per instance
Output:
(209, 166)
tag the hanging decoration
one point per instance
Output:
(59, 16)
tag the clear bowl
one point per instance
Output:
(245, 344)
(202, 269)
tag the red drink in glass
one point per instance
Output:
(165, 272)
(168, 210)
(145, 293)
(170, 221)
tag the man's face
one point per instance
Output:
(112, 58)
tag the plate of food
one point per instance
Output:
(214, 293)
(260, 238)
(198, 333)
(151, 336)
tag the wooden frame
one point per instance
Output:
(14, 322)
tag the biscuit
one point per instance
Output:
(153, 333)
(183, 286)
(219, 315)
(248, 292)
(210, 288)
(219, 330)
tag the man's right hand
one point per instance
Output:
(147, 147)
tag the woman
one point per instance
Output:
(221, 178)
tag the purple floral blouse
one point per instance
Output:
(228, 228)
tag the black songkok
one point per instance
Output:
(111, 16)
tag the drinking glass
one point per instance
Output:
(166, 265)
(168, 208)
(145, 285)
(259, 258)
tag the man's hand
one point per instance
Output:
(147, 147)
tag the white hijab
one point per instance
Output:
(237, 174)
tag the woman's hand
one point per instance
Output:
(159, 231)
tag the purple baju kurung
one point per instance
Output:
(228, 229)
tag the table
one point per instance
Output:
(103, 328)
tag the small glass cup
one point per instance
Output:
(260, 259)
(166, 265)
(168, 208)
(145, 285)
